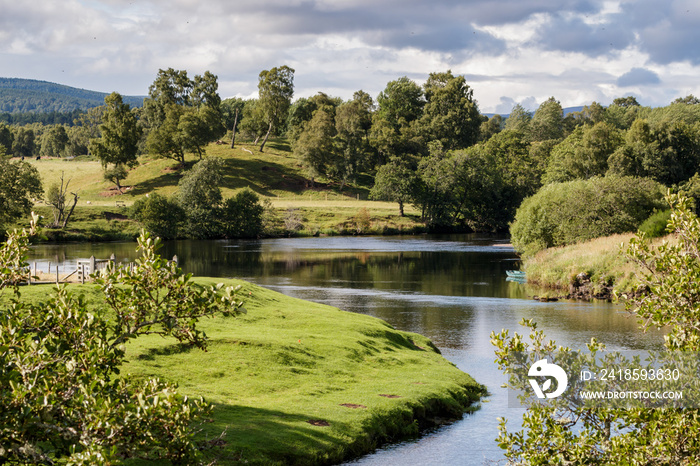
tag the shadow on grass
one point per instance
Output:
(168, 350)
(170, 178)
(260, 176)
(264, 436)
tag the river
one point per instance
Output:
(452, 289)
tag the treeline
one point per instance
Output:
(425, 145)
(45, 118)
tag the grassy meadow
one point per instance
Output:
(294, 382)
(276, 175)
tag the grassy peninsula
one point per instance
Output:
(295, 382)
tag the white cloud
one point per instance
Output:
(522, 50)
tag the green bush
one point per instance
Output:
(242, 215)
(655, 226)
(574, 211)
(159, 215)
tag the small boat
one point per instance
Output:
(516, 276)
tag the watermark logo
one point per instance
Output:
(542, 368)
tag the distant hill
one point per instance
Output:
(567, 110)
(32, 96)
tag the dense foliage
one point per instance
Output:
(20, 185)
(198, 209)
(566, 213)
(62, 395)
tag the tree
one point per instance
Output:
(315, 145)
(434, 193)
(199, 196)
(54, 142)
(275, 92)
(85, 128)
(639, 146)
(626, 102)
(547, 122)
(401, 102)
(353, 120)
(583, 154)
(451, 114)
(56, 198)
(115, 174)
(490, 126)
(242, 215)
(182, 115)
(232, 113)
(24, 143)
(63, 397)
(519, 119)
(20, 185)
(394, 125)
(159, 215)
(671, 273)
(6, 138)
(395, 182)
(574, 211)
(119, 142)
(690, 99)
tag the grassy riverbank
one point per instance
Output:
(591, 269)
(295, 382)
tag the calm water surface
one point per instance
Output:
(450, 288)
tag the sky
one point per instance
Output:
(510, 51)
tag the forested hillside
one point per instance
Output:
(29, 95)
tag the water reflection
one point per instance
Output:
(450, 288)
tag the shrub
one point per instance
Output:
(655, 226)
(362, 221)
(242, 215)
(63, 398)
(574, 211)
(159, 215)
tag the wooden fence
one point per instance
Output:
(83, 272)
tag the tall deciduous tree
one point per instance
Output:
(275, 92)
(24, 143)
(519, 119)
(6, 138)
(54, 141)
(182, 115)
(395, 181)
(400, 106)
(548, 121)
(451, 114)
(119, 143)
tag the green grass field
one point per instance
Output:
(275, 175)
(295, 382)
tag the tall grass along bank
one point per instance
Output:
(586, 270)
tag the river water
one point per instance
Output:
(452, 289)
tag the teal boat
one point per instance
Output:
(516, 276)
